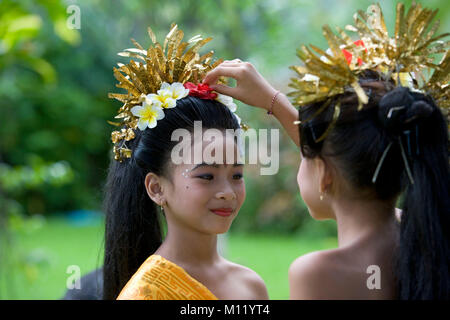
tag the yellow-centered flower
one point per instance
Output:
(168, 94)
(148, 114)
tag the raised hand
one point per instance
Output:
(251, 88)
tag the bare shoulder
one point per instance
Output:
(250, 279)
(312, 264)
(315, 276)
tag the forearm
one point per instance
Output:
(287, 114)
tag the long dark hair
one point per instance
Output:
(133, 230)
(409, 132)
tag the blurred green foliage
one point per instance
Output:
(27, 176)
(54, 83)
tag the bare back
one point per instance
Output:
(363, 270)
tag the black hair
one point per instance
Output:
(408, 130)
(133, 231)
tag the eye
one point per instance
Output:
(238, 176)
(206, 176)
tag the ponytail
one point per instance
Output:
(423, 257)
(132, 231)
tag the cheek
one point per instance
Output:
(240, 194)
(186, 194)
(306, 184)
(191, 192)
(302, 177)
(187, 199)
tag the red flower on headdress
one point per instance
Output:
(201, 90)
(348, 55)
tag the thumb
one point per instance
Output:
(223, 89)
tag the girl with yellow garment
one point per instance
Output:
(198, 200)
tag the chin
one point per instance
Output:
(318, 215)
(219, 228)
(223, 231)
(315, 214)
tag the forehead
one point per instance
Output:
(212, 146)
(216, 148)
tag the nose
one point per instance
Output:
(226, 195)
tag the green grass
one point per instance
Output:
(271, 255)
(60, 244)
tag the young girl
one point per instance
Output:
(198, 200)
(357, 164)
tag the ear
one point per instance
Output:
(153, 185)
(324, 173)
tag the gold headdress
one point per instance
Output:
(407, 58)
(156, 82)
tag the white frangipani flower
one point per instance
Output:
(168, 94)
(148, 115)
(178, 90)
(228, 101)
(164, 98)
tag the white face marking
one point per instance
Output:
(185, 173)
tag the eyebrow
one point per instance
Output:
(215, 165)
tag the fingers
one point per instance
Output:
(230, 71)
(233, 61)
(220, 70)
(230, 64)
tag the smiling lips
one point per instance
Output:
(224, 212)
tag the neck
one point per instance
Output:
(358, 221)
(187, 246)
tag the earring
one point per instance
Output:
(163, 203)
(321, 196)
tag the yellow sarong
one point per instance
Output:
(160, 279)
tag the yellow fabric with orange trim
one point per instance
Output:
(160, 279)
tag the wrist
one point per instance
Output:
(282, 106)
(273, 101)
